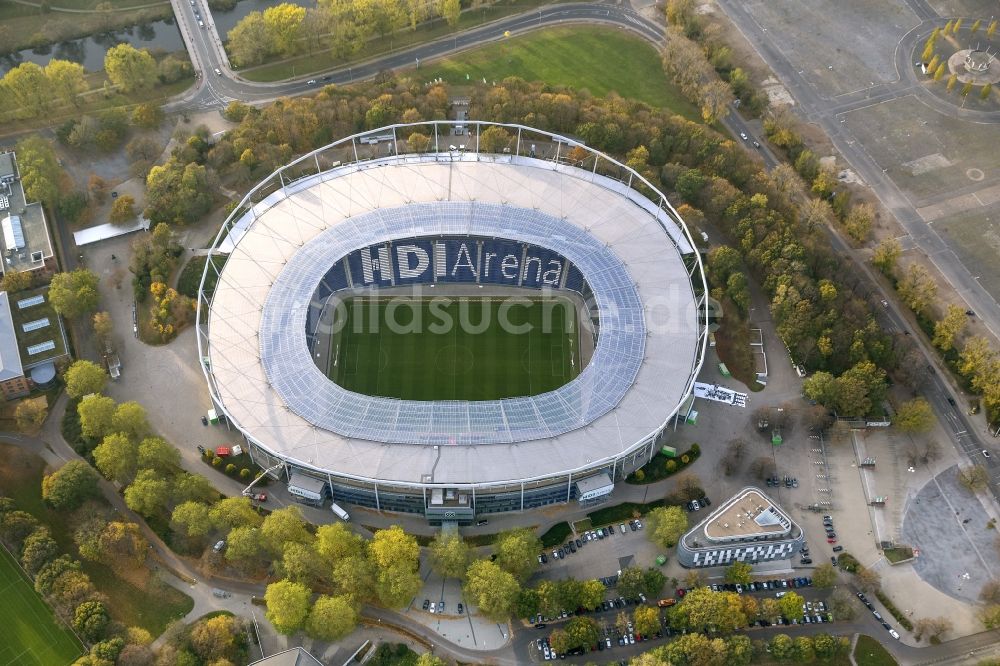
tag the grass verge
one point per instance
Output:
(869, 652)
(897, 555)
(600, 60)
(660, 467)
(556, 535)
(733, 347)
(623, 511)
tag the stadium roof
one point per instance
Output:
(642, 369)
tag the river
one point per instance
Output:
(157, 36)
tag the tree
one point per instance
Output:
(287, 605)
(494, 590)
(952, 80)
(859, 221)
(149, 494)
(102, 327)
(38, 549)
(802, 650)
(123, 210)
(31, 413)
(868, 580)
(177, 193)
(282, 527)
(702, 607)
(985, 91)
(989, 593)
(70, 485)
(418, 142)
(74, 294)
(948, 328)
(450, 554)
(715, 97)
(156, 453)
(931, 628)
(666, 525)
(237, 512)
(130, 419)
(990, 616)
(647, 619)
(244, 547)
(580, 631)
(974, 478)
(886, 255)
(843, 605)
(689, 486)
(738, 572)
(129, 68)
(591, 593)
(215, 638)
(284, 26)
(763, 467)
(331, 618)
(427, 659)
(450, 11)
(66, 80)
(914, 416)
(30, 90)
(396, 585)
(90, 620)
(966, 89)
(96, 413)
(939, 72)
(191, 519)
(117, 458)
(84, 377)
(517, 552)
(40, 172)
(735, 450)
(300, 563)
(492, 140)
(122, 544)
(791, 605)
(824, 576)
(15, 527)
(631, 582)
(249, 40)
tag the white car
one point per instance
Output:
(778, 595)
(894, 634)
(743, 135)
(622, 528)
(986, 454)
(433, 607)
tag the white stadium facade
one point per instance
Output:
(366, 214)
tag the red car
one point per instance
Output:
(259, 497)
(831, 540)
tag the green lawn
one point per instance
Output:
(869, 652)
(31, 632)
(419, 349)
(597, 59)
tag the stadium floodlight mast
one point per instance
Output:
(374, 176)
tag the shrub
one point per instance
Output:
(695, 450)
(230, 469)
(671, 465)
(639, 475)
(244, 473)
(685, 459)
(216, 461)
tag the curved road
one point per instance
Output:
(217, 90)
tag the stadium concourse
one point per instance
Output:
(444, 222)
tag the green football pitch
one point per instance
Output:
(31, 634)
(459, 349)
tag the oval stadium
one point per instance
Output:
(405, 321)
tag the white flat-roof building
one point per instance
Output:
(748, 527)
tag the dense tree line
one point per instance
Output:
(340, 26)
(59, 578)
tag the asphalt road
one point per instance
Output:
(825, 112)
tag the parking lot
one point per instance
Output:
(600, 556)
(616, 631)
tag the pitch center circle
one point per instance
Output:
(454, 360)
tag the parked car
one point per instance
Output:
(837, 549)
(219, 546)
(427, 604)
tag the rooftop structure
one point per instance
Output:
(747, 515)
(24, 242)
(748, 527)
